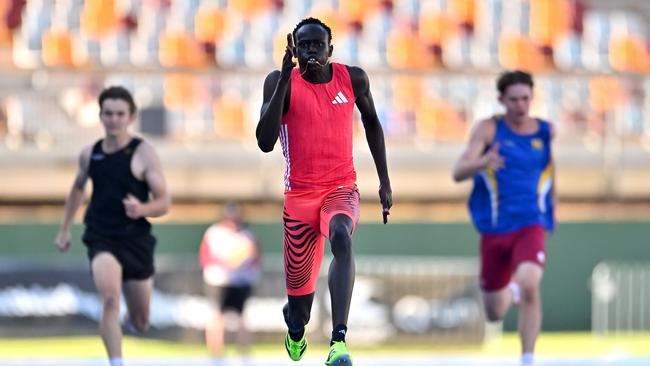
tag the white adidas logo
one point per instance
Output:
(340, 99)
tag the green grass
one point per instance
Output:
(549, 345)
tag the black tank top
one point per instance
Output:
(112, 181)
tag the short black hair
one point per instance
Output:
(509, 78)
(312, 20)
(117, 92)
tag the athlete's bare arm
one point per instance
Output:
(474, 158)
(146, 166)
(374, 134)
(552, 162)
(275, 101)
(74, 200)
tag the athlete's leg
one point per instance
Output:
(137, 294)
(107, 275)
(339, 215)
(297, 312)
(528, 260)
(497, 303)
(529, 276)
(342, 268)
(496, 271)
(243, 335)
(214, 327)
(214, 332)
(303, 254)
(240, 296)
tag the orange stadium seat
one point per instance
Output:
(209, 24)
(356, 11)
(463, 12)
(549, 20)
(180, 91)
(435, 27)
(605, 93)
(438, 120)
(328, 16)
(519, 52)
(248, 8)
(405, 51)
(57, 48)
(229, 112)
(98, 18)
(279, 46)
(628, 53)
(407, 92)
(5, 32)
(180, 49)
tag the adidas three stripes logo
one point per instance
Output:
(340, 99)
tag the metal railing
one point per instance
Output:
(620, 298)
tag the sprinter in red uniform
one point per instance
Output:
(310, 109)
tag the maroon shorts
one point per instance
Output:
(307, 216)
(501, 254)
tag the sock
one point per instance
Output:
(338, 334)
(527, 359)
(116, 361)
(296, 334)
(516, 292)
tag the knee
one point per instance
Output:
(493, 314)
(111, 303)
(341, 241)
(529, 293)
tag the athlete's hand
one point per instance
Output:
(287, 61)
(492, 159)
(62, 240)
(386, 199)
(133, 207)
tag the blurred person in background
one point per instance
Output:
(128, 187)
(3, 119)
(310, 109)
(230, 260)
(512, 204)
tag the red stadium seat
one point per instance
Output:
(10, 19)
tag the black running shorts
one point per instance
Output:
(135, 254)
(229, 297)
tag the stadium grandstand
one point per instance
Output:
(196, 69)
